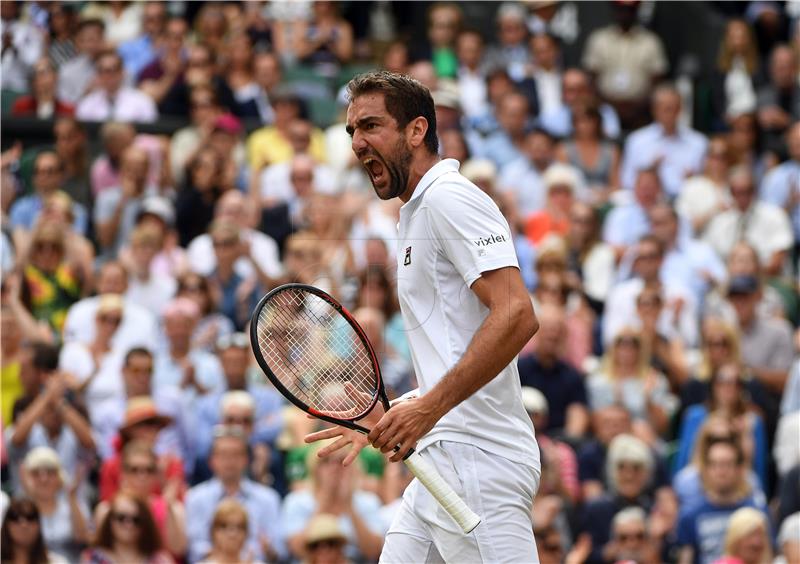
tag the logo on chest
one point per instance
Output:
(407, 259)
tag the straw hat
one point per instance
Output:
(324, 527)
(141, 409)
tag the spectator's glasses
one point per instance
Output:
(46, 170)
(328, 543)
(628, 341)
(241, 421)
(238, 340)
(218, 243)
(17, 517)
(108, 69)
(231, 527)
(51, 246)
(140, 470)
(114, 320)
(632, 466)
(45, 472)
(126, 518)
(626, 537)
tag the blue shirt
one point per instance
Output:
(777, 188)
(136, 55)
(207, 371)
(499, 149)
(263, 507)
(561, 384)
(266, 427)
(703, 526)
(558, 123)
(26, 210)
(524, 180)
(681, 155)
(624, 225)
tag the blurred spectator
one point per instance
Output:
(626, 223)
(200, 194)
(261, 252)
(143, 478)
(142, 423)
(62, 514)
(679, 316)
(781, 186)
(50, 282)
(12, 353)
(23, 45)
(471, 73)
(629, 471)
(673, 149)
(561, 184)
(789, 540)
(325, 541)
(325, 40)
(290, 183)
(629, 538)
(765, 226)
(151, 290)
(228, 461)
(606, 424)
(706, 194)
(577, 92)
(158, 216)
(666, 351)
(48, 177)
(228, 533)
(625, 376)
(737, 67)
(61, 22)
(76, 76)
(267, 76)
(523, 177)
(165, 66)
(123, 20)
(238, 65)
(748, 537)
(590, 259)
(589, 152)
(21, 535)
(42, 101)
(116, 138)
(128, 533)
(138, 326)
(195, 371)
(117, 208)
(51, 420)
(396, 371)
(510, 141)
(561, 384)
(545, 71)
(112, 99)
(272, 143)
(701, 527)
(728, 399)
(779, 99)
(137, 52)
(186, 142)
(444, 21)
(511, 51)
(766, 341)
(627, 59)
(72, 147)
(334, 489)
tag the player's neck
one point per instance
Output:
(420, 165)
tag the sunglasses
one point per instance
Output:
(231, 527)
(718, 343)
(243, 421)
(225, 242)
(42, 246)
(140, 470)
(635, 466)
(15, 517)
(126, 518)
(332, 543)
(631, 537)
(630, 341)
(44, 472)
(110, 319)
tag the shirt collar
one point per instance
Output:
(442, 167)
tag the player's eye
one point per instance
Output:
(371, 126)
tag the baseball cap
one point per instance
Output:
(228, 123)
(160, 207)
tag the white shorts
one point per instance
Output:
(497, 489)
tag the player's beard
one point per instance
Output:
(398, 170)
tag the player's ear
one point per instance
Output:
(416, 130)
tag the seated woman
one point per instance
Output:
(21, 537)
(561, 183)
(42, 102)
(728, 399)
(228, 534)
(127, 533)
(141, 477)
(625, 376)
(212, 324)
(666, 350)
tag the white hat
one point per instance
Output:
(44, 457)
(324, 527)
(559, 174)
(479, 169)
(534, 401)
(160, 207)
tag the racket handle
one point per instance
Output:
(442, 492)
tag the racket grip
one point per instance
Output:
(442, 492)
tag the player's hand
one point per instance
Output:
(402, 426)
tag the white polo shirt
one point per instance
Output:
(449, 233)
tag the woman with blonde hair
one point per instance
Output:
(228, 534)
(625, 377)
(747, 537)
(732, 86)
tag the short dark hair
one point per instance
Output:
(405, 98)
(45, 356)
(731, 442)
(91, 22)
(653, 240)
(137, 351)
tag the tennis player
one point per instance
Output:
(467, 315)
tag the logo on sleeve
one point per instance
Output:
(490, 240)
(407, 260)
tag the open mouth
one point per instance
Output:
(374, 168)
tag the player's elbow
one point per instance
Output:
(527, 324)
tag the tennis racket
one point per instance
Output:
(318, 357)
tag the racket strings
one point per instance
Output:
(316, 355)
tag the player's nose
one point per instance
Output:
(358, 143)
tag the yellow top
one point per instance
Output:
(10, 390)
(267, 146)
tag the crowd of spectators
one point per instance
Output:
(662, 259)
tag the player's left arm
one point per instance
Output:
(510, 324)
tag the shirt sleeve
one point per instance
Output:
(470, 230)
